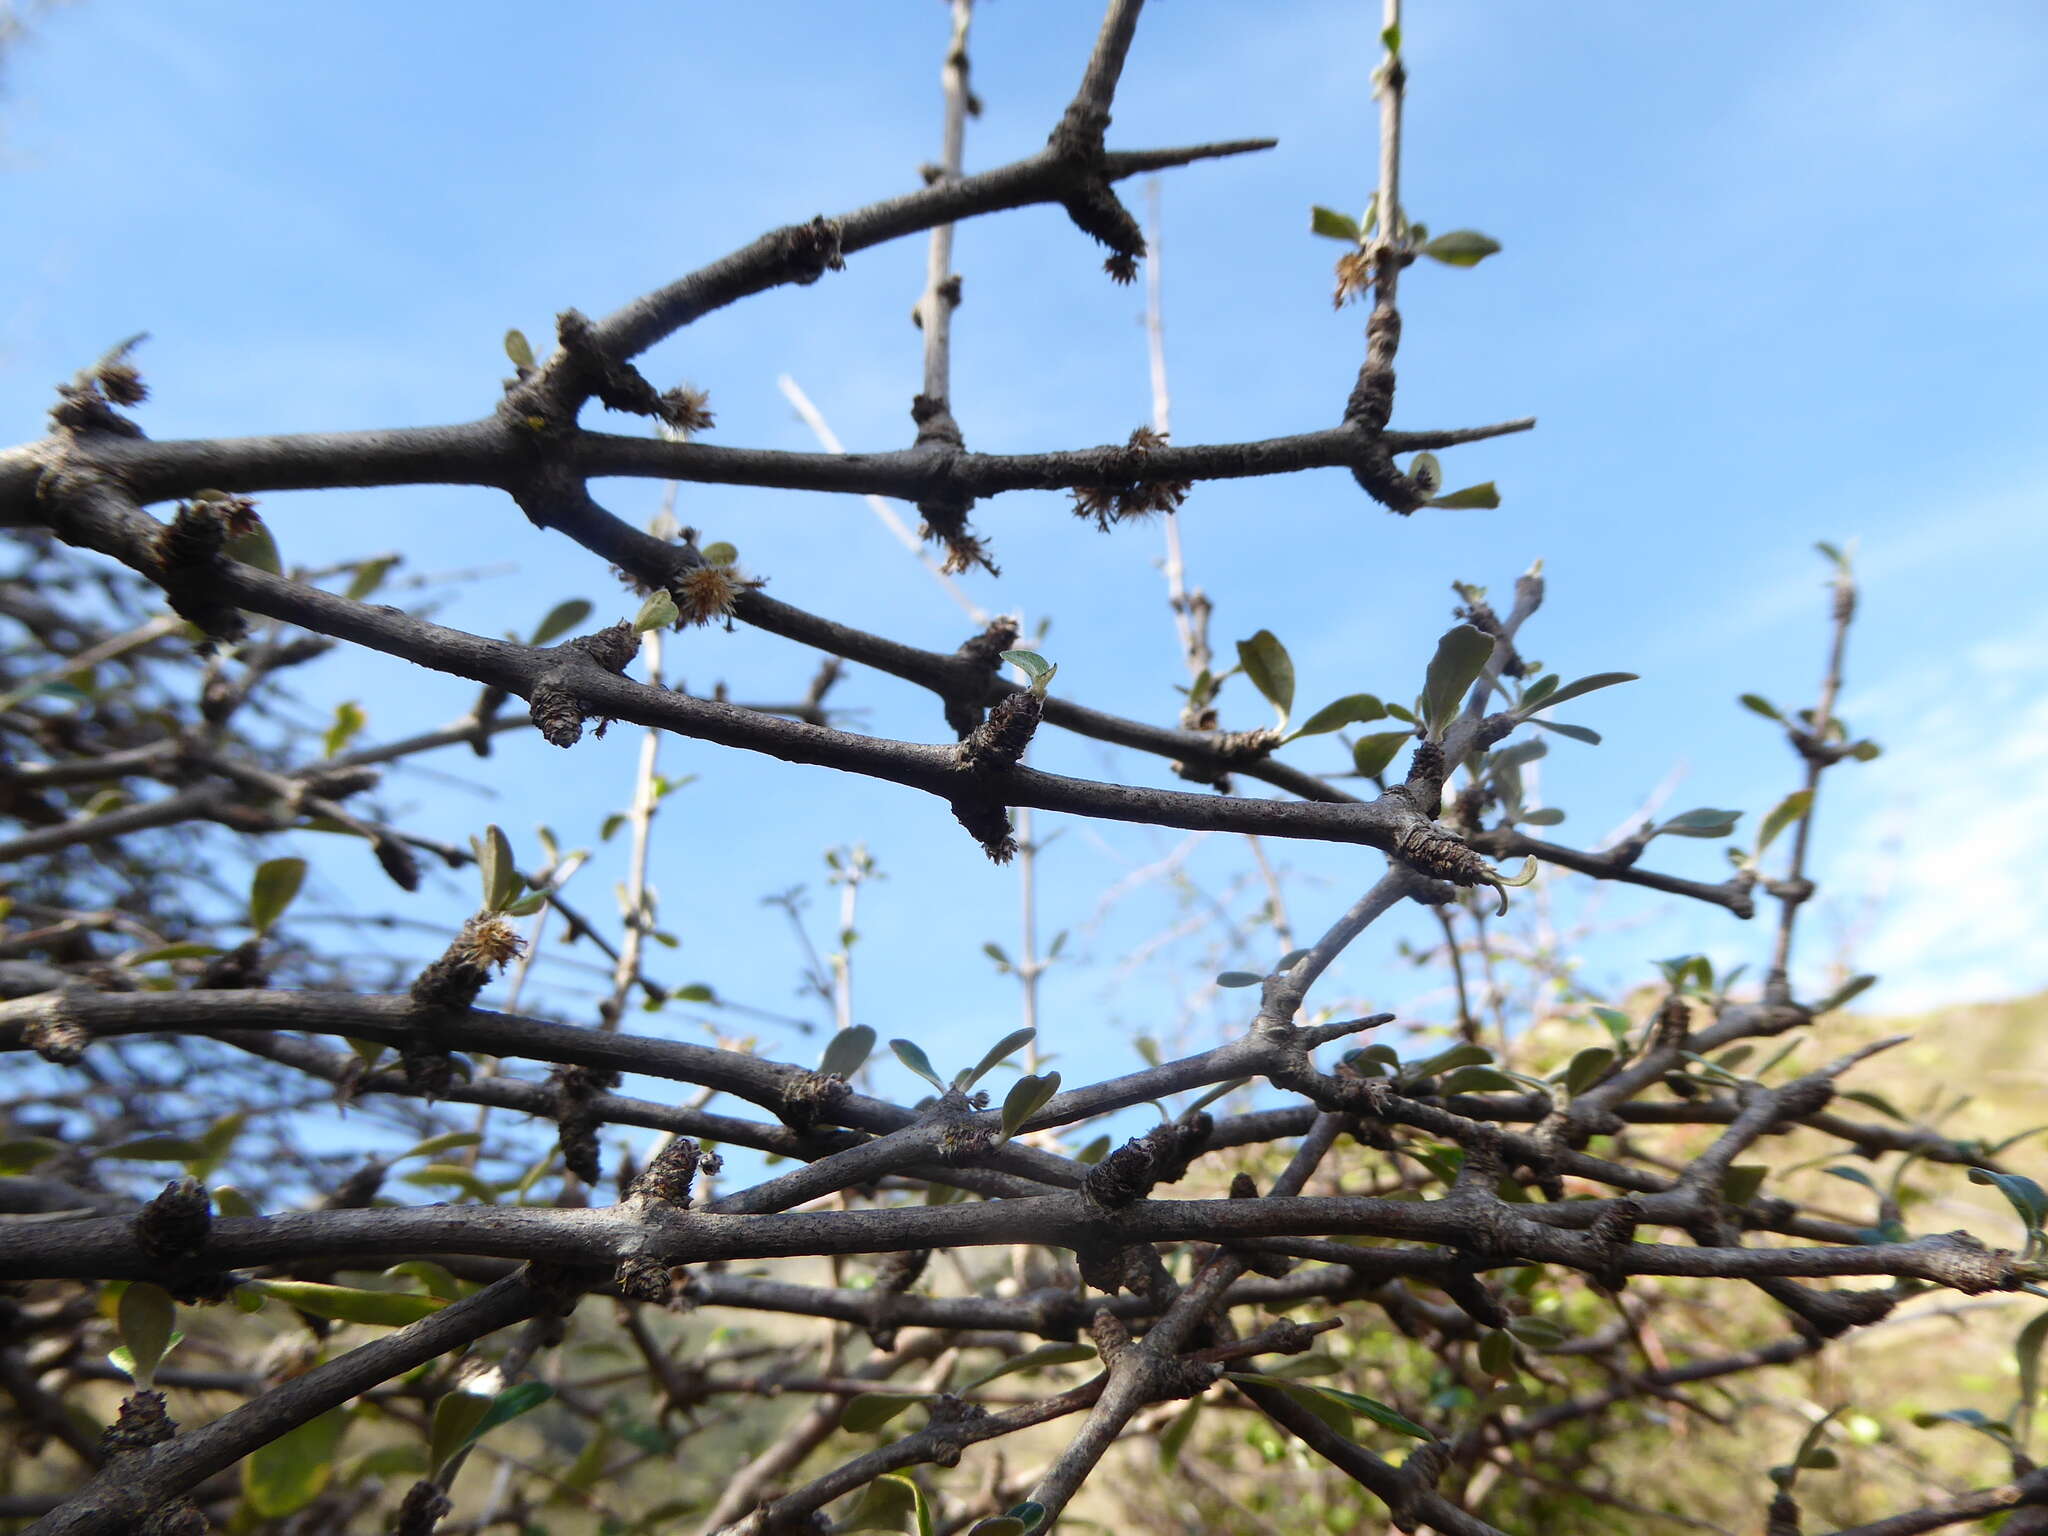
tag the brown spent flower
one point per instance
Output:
(708, 592)
(687, 409)
(121, 382)
(1126, 496)
(490, 941)
(1354, 276)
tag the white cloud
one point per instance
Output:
(1947, 835)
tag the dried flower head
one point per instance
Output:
(490, 941)
(1124, 495)
(708, 592)
(1354, 276)
(121, 382)
(965, 551)
(685, 410)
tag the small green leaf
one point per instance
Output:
(518, 349)
(438, 1281)
(1370, 755)
(156, 1149)
(1497, 1352)
(1616, 1023)
(2027, 1350)
(1010, 1044)
(387, 1462)
(24, 1153)
(720, 553)
(447, 1141)
(1783, 814)
(285, 1475)
(1854, 987)
(258, 548)
(1427, 472)
(521, 1397)
(1355, 1402)
(1547, 816)
(349, 719)
(1969, 1418)
(1352, 709)
(369, 577)
(499, 871)
(172, 952)
(1094, 1152)
(1174, 1438)
(1476, 1080)
(1448, 1061)
(1027, 1096)
(272, 890)
(1221, 1090)
(1855, 1176)
(1461, 248)
(148, 1322)
(1877, 1101)
(1238, 979)
(1704, 822)
(658, 612)
(1756, 703)
(2025, 1196)
(1333, 225)
(1587, 685)
(462, 1178)
(868, 1412)
(1030, 663)
(1271, 669)
(847, 1052)
(1536, 1332)
(1034, 1360)
(1741, 1182)
(1576, 732)
(1390, 39)
(456, 1418)
(884, 1506)
(1484, 497)
(345, 1304)
(1461, 655)
(1587, 1068)
(561, 618)
(998, 1525)
(912, 1056)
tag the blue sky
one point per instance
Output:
(1771, 275)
